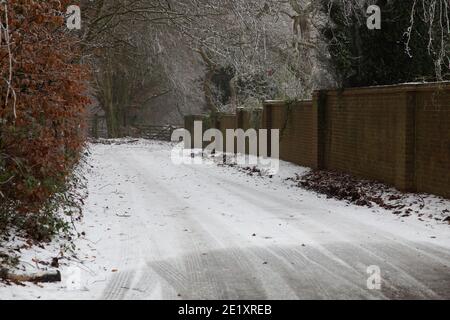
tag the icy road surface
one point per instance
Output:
(160, 231)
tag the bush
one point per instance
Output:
(41, 113)
(363, 57)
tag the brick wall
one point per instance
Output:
(225, 122)
(250, 119)
(364, 133)
(298, 130)
(189, 126)
(399, 135)
(396, 134)
(432, 143)
(221, 121)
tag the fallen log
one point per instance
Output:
(41, 277)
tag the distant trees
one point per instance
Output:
(412, 44)
(120, 42)
(124, 74)
(228, 54)
(267, 48)
(262, 49)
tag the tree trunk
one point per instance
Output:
(207, 83)
(110, 110)
(208, 91)
(233, 94)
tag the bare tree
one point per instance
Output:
(262, 49)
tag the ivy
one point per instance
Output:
(288, 105)
(255, 118)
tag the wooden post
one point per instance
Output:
(320, 103)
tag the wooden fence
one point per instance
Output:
(98, 129)
(163, 133)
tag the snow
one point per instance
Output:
(156, 230)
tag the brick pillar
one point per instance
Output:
(410, 142)
(239, 119)
(268, 125)
(320, 103)
(189, 126)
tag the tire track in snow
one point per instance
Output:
(120, 283)
(368, 252)
(203, 278)
(246, 253)
(400, 251)
(231, 270)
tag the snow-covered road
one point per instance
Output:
(160, 231)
